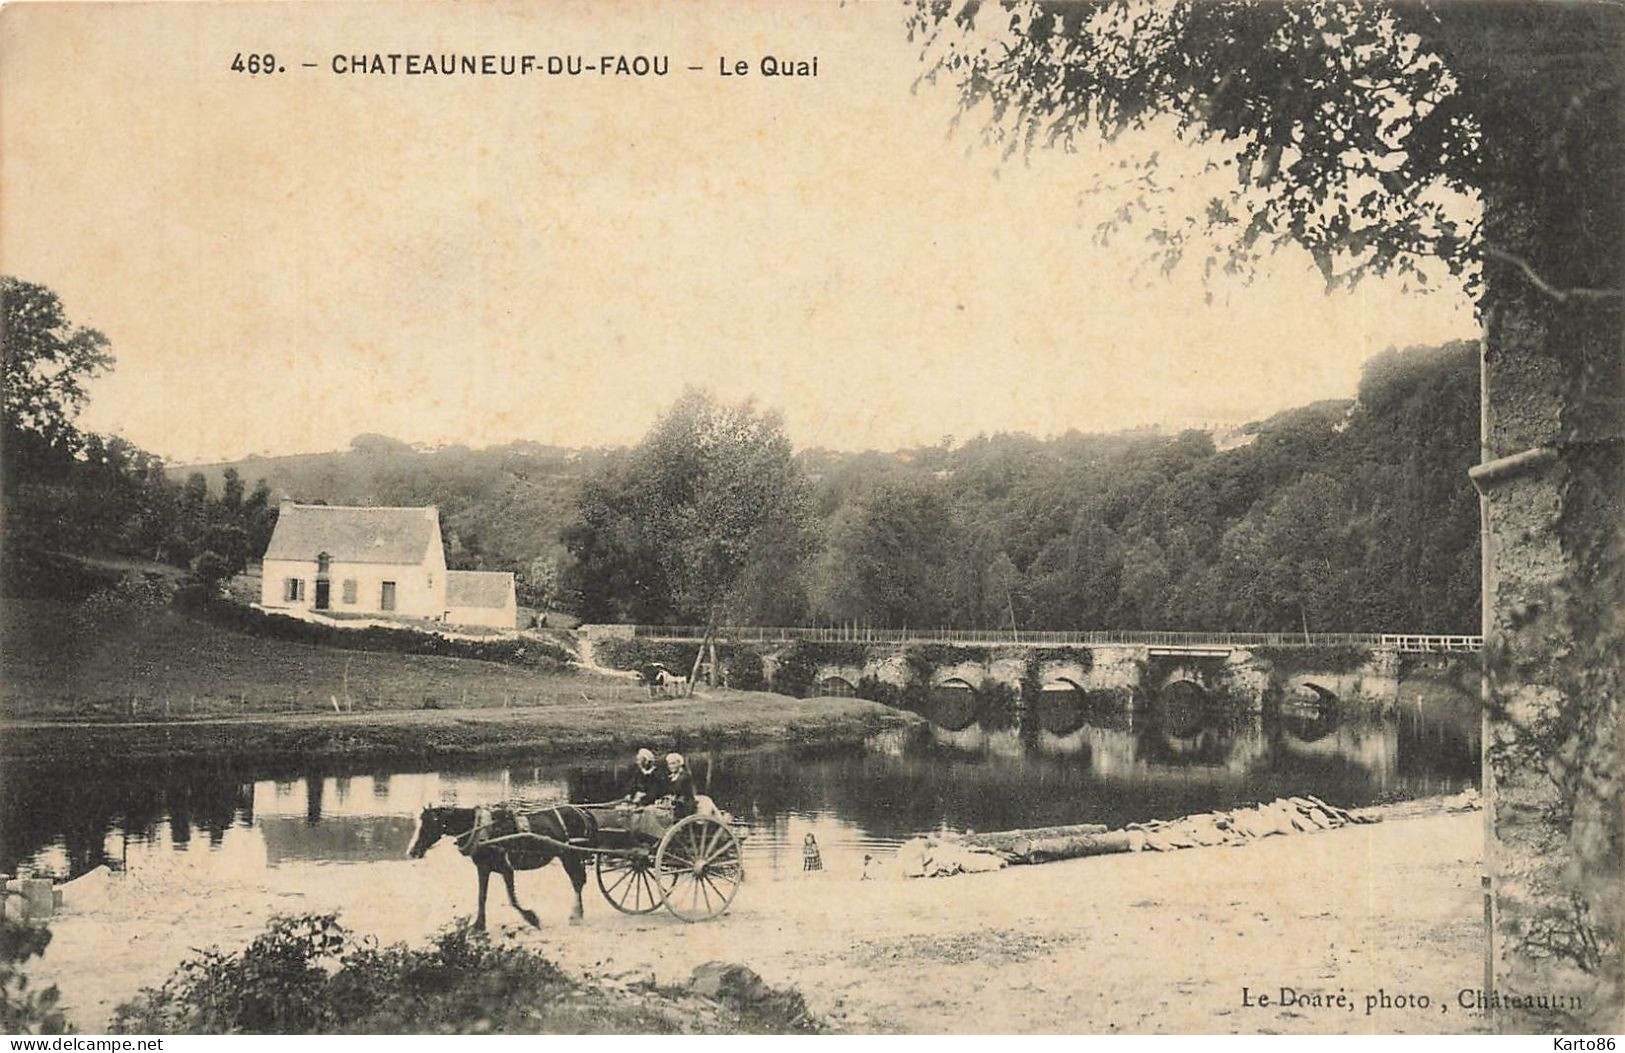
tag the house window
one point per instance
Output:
(324, 563)
(293, 590)
(349, 590)
(431, 579)
(386, 596)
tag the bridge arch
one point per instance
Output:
(837, 687)
(1317, 694)
(954, 703)
(1062, 705)
(1181, 707)
(1311, 711)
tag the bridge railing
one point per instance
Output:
(1432, 643)
(973, 637)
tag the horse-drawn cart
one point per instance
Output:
(693, 869)
(645, 858)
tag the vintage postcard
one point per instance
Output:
(937, 517)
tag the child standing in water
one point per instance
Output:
(810, 859)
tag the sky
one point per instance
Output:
(283, 262)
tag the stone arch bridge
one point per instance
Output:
(1117, 669)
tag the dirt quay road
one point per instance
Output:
(1133, 943)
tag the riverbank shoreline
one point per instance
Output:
(1179, 942)
(733, 719)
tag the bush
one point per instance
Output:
(636, 653)
(996, 705)
(29, 574)
(742, 666)
(877, 690)
(936, 655)
(743, 670)
(25, 1012)
(796, 670)
(193, 594)
(1320, 658)
(126, 600)
(308, 975)
(212, 568)
(532, 654)
(838, 652)
(1084, 657)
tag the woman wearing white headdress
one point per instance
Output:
(680, 786)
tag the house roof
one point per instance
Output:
(478, 588)
(353, 535)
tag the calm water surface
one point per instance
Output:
(855, 799)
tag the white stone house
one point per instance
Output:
(348, 560)
(379, 563)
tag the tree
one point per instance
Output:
(691, 522)
(614, 571)
(727, 496)
(231, 491)
(1144, 585)
(538, 582)
(48, 361)
(1077, 575)
(1353, 129)
(886, 562)
(1362, 133)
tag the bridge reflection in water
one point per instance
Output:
(1061, 762)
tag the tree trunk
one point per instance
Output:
(1007, 840)
(699, 654)
(1048, 849)
(1549, 481)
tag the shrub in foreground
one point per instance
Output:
(309, 975)
(22, 1011)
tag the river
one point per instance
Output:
(855, 800)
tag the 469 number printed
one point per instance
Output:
(255, 64)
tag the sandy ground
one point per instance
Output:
(1135, 943)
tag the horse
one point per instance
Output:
(667, 681)
(472, 829)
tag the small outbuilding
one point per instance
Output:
(481, 597)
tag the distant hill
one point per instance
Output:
(501, 507)
(1344, 514)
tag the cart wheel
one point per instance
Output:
(699, 868)
(628, 882)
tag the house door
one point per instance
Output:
(323, 594)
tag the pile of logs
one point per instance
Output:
(1284, 815)
(940, 855)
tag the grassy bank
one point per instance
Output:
(161, 663)
(167, 686)
(728, 719)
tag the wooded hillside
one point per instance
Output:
(1347, 515)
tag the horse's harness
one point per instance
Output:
(474, 838)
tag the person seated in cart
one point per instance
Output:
(680, 785)
(649, 783)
